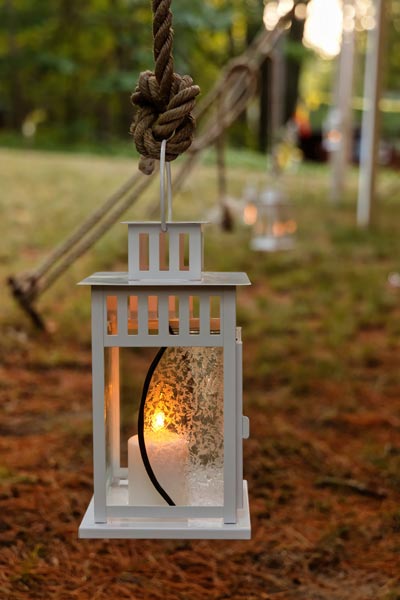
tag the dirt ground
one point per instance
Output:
(321, 331)
(326, 525)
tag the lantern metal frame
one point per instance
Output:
(109, 515)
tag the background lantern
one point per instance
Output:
(272, 221)
(167, 426)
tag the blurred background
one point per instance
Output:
(302, 192)
(67, 68)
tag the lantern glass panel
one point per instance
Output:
(183, 425)
(184, 412)
(122, 396)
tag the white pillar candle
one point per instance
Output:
(168, 456)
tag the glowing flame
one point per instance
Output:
(284, 228)
(158, 421)
(278, 229)
(334, 136)
(250, 214)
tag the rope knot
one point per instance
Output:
(164, 99)
(156, 120)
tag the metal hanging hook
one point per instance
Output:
(165, 167)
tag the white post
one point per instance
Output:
(366, 206)
(341, 156)
(277, 90)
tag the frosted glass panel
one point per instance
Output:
(183, 425)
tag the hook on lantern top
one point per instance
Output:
(178, 255)
(175, 253)
(165, 170)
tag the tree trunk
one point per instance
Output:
(69, 23)
(264, 125)
(293, 69)
(16, 114)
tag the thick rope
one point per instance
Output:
(164, 99)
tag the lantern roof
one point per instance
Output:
(217, 279)
(148, 268)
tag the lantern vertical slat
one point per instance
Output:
(163, 251)
(99, 441)
(205, 315)
(182, 249)
(195, 253)
(122, 314)
(239, 424)
(154, 251)
(115, 412)
(143, 317)
(163, 314)
(134, 253)
(229, 318)
(184, 315)
(174, 255)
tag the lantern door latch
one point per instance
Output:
(245, 428)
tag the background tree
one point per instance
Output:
(73, 65)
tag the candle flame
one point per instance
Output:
(278, 229)
(250, 214)
(158, 421)
(281, 228)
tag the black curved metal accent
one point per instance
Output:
(142, 444)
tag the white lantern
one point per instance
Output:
(332, 127)
(272, 221)
(167, 428)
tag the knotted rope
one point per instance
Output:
(164, 99)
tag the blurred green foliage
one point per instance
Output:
(69, 66)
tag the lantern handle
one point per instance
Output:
(165, 168)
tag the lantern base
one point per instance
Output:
(272, 244)
(191, 529)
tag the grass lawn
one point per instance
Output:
(321, 330)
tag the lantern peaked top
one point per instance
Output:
(171, 257)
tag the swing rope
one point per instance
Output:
(237, 84)
(164, 99)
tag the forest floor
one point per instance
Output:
(321, 331)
